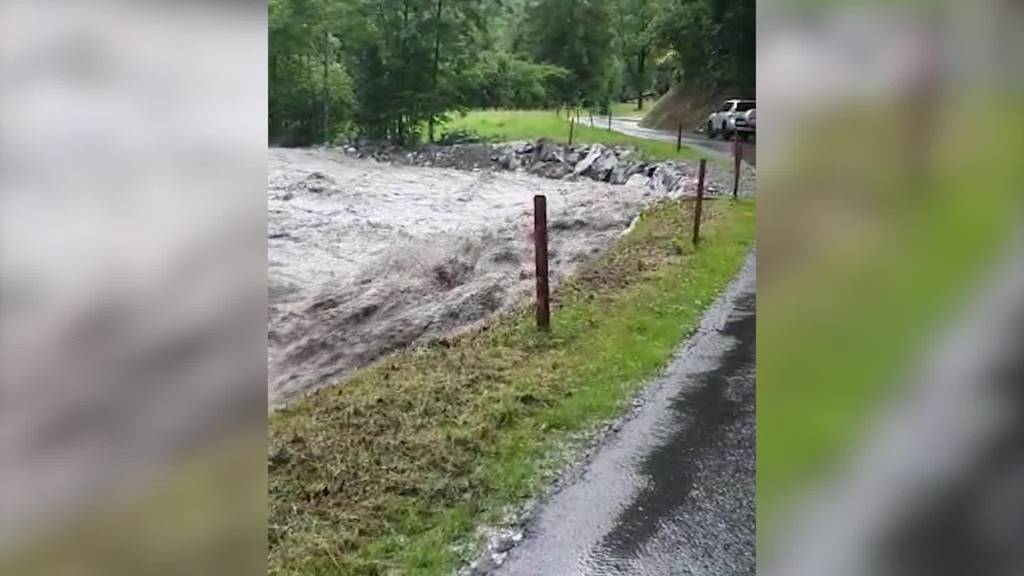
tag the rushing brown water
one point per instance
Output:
(366, 258)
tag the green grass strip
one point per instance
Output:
(534, 124)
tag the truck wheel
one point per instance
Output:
(711, 130)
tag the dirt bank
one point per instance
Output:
(368, 257)
(690, 105)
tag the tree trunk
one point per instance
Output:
(400, 122)
(640, 66)
(437, 60)
(310, 127)
(323, 92)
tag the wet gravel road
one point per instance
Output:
(673, 491)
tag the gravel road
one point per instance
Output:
(673, 491)
(719, 149)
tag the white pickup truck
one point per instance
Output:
(734, 116)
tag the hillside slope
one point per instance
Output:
(691, 105)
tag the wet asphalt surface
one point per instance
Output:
(672, 492)
(719, 149)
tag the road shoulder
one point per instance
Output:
(670, 489)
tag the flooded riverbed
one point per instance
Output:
(366, 258)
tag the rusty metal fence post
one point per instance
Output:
(737, 155)
(540, 243)
(699, 201)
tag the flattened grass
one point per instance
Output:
(391, 472)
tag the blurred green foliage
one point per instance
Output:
(879, 233)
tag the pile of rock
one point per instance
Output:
(545, 158)
(472, 156)
(611, 164)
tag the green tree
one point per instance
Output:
(409, 56)
(459, 33)
(311, 95)
(714, 41)
(394, 68)
(502, 79)
(634, 28)
(575, 35)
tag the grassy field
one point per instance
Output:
(392, 472)
(533, 124)
(628, 109)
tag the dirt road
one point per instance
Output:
(673, 491)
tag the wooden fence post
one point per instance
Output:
(540, 243)
(572, 123)
(679, 136)
(700, 200)
(737, 154)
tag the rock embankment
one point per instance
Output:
(612, 164)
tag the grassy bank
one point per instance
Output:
(391, 472)
(533, 124)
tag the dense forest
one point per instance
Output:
(394, 68)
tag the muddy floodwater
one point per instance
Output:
(366, 258)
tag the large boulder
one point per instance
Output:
(620, 173)
(663, 179)
(548, 151)
(556, 170)
(507, 158)
(602, 168)
(524, 147)
(637, 168)
(638, 179)
(592, 156)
